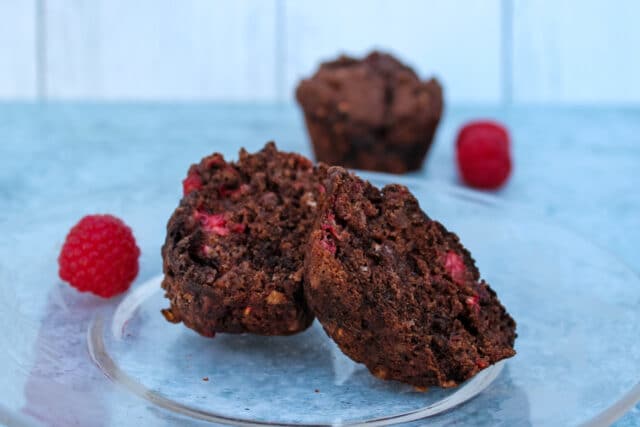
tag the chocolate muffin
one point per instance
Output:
(372, 114)
(397, 291)
(232, 258)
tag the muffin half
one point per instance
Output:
(397, 291)
(232, 258)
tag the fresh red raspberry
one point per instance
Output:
(483, 154)
(192, 182)
(99, 255)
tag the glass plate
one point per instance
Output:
(73, 359)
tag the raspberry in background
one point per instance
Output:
(483, 153)
(100, 256)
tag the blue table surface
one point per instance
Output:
(578, 166)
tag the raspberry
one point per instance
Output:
(455, 267)
(192, 182)
(483, 154)
(474, 303)
(330, 226)
(214, 223)
(99, 255)
(481, 363)
(328, 245)
(218, 224)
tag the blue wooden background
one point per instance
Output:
(485, 51)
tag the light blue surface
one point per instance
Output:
(578, 166)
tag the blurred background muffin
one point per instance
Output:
(372, 113)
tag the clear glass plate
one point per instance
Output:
(69, 358)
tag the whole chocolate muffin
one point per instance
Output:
(232, 258)
(397, 291)
(372, 114)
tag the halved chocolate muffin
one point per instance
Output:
(232, 258)
(397, 291)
